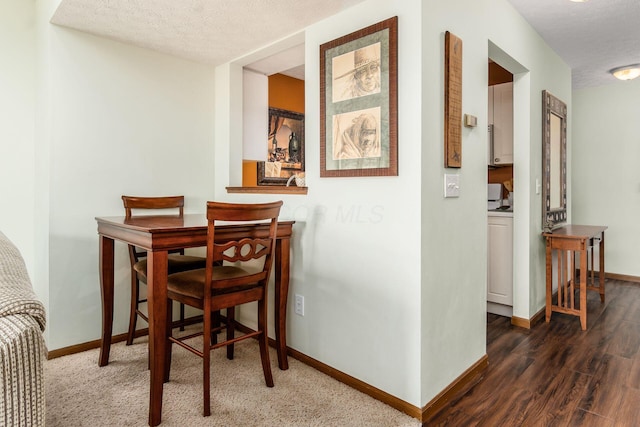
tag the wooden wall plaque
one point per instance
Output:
(452, 101)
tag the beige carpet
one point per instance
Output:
(79, 393)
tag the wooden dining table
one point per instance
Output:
(159, 234)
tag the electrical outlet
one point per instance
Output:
(299, 307)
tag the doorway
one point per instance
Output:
(521, 176)
(500, 190)
(275, 81)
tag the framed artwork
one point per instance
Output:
(359, 103)
(284, 154)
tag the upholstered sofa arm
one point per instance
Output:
(22, 356)
(16, 292)
(33, 309)
(22, 346)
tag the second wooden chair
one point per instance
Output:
(177, 262)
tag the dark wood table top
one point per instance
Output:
(165, 223)
(154, 232)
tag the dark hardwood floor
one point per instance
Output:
(558, 375)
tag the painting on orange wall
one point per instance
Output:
(285, 148)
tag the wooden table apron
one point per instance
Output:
(158, 234)
(576, 238)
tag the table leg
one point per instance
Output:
(549, 261)
(106, 293)
(281, 293)
(601, 262)
(583, 287)
(157, 306)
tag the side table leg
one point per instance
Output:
(583, 288)
(601, 274)
(549, 261)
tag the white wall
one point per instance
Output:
(123, 120)
(17, 127)
(255, 106)
(606, 176)
(453, 250)
(361, 245)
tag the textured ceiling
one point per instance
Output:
(592, 37)
(208, 31)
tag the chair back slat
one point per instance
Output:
(247, 248)
(242, 212)
(164, 202)
(242, 250)
(150, 203)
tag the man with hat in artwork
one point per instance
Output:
(364, 78)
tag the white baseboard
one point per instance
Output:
(499, 309)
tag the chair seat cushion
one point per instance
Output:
(191, 283)
(176, 263)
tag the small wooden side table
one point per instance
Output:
(567, 242)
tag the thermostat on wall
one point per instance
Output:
(470, 121)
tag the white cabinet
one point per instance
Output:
(500, 260)
(500, 120)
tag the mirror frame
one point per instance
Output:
(552, 218)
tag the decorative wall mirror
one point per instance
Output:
(554, 161)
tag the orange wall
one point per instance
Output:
(286, 93)
(249, 173)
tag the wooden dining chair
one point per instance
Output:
(243, 277)
(177, 260)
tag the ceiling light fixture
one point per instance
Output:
(579, 1)
(628, 72)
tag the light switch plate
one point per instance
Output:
(451, 185)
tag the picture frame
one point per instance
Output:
(359, 103)
(284, 155)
